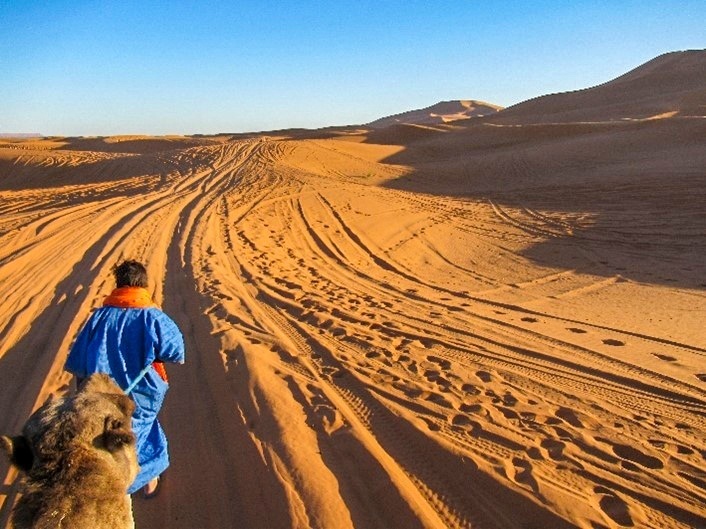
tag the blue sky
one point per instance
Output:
(184, 67)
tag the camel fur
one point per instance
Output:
(78, 454)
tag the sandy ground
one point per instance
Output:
(483, 325)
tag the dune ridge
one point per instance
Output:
(672, 82)
(471, 324)
(442, 112)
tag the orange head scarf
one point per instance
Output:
(129, 298)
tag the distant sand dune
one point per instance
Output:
(443, 112)
(470, 325)
(670, 82)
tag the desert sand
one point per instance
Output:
(491, 323)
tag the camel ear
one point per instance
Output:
(116, 434)
(19, 451)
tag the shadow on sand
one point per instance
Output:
(637, 188)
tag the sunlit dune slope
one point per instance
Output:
(672, 83)
(458, 325)
(442, 112)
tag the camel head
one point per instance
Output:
(94, 424)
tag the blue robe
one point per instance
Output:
(121, 342)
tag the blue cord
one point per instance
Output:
(139, 377)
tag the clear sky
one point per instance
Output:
(85, 67)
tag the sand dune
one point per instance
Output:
(670, 83)
(476, 325)
(442, 112)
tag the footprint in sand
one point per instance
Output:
(666, 358)
(338, 332)
(509, 414)
(569, 416)
(486, 377)
(613, 343)
(470, 389)
(475, 409)
(684, 450)
(461, 420)
(563, 434)
(634, 455)
(529, 417)
(423, 343)
(529, 320)
(693, 480)
(614, 507)
(431, 424)
(553, 448)
(701, 377)
(432, 375)
(438, 399)
(411, 391)
(576, 330)
(520, 471)
(443, 364)
(657, 443)
(509, 399)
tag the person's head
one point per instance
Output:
(130, 274)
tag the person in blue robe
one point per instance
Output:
(129, 338)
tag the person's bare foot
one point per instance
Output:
(151, 489)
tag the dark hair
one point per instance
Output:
(130, 274)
